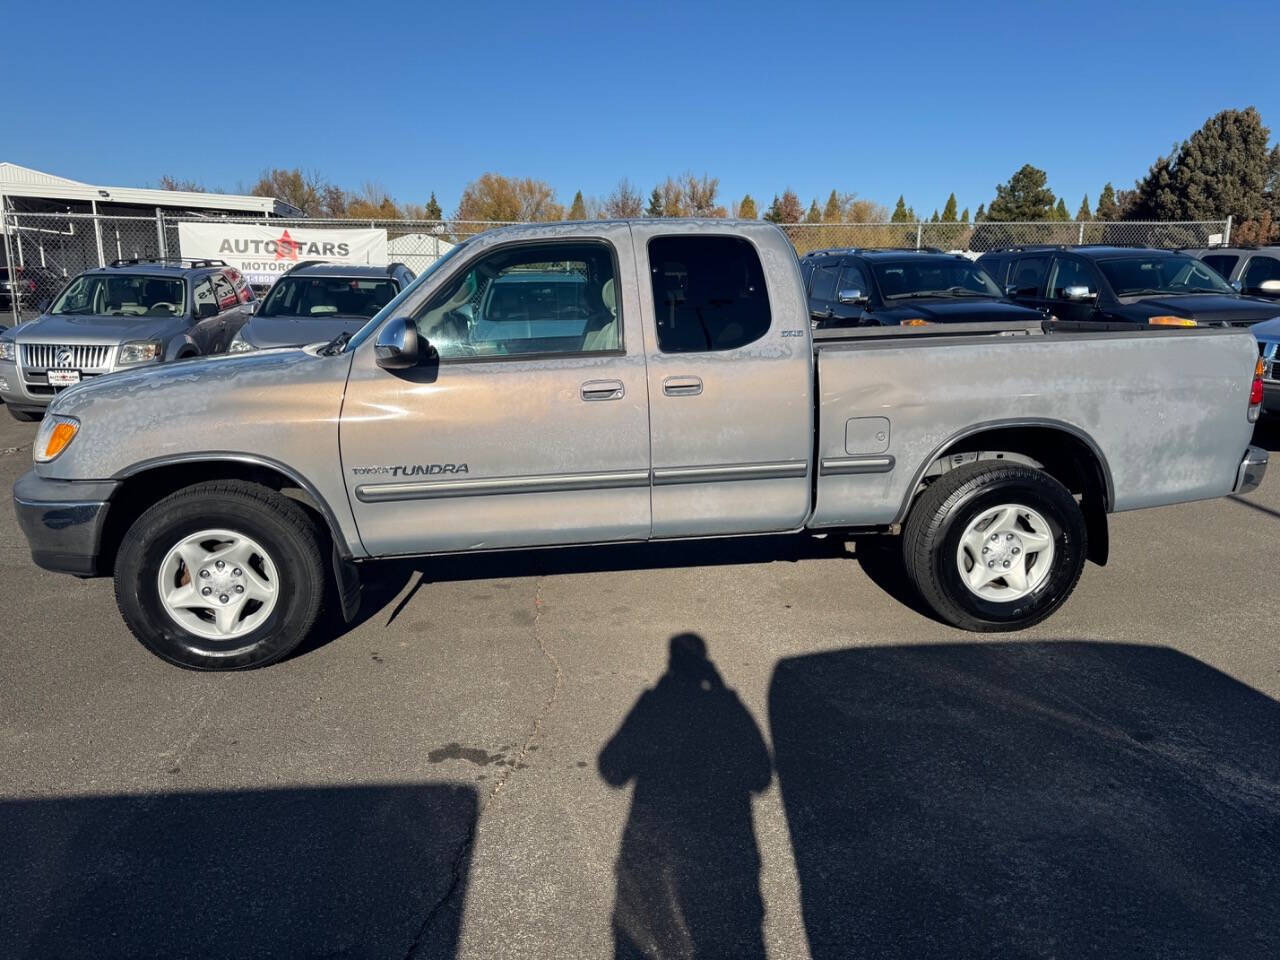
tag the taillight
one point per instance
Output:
(1255, 393)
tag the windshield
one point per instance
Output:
(323, 298)
(1137, 276)
(900, 279)
(122, 295)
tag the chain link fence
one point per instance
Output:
(42, 251)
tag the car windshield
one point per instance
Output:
(122, 295)
(321, 298)
(900, 279)
(1142, 276)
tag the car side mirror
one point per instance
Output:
(206, 310)
(252, 307)
(1237, 286)
(397, 346)
(1271, 287)
(1077, 293)
(1011, 290)
(852, 296)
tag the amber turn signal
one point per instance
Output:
(1171, 322)
(55, 433)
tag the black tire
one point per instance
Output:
(279, 524)
(938, 520)
(26, 416)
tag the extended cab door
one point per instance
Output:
(730, 371)
(531, 426)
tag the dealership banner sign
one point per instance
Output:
(263, 252)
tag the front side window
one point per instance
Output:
(536, 298)
(1069, 273)
(325, 298)
(933, 277)
(854, 279)
(126, 295)
(1147, 276)
(1260, 270)
(708, 293)
(824, 280)
(1027, 276)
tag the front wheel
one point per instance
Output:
(995, 546)
(225, 575)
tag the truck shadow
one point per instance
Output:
(313, 872)
(1029, 799)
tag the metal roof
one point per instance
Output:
(19, 181)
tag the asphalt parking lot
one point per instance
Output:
(695, 750)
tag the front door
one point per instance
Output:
(530, 428)
(1070, 273)
(730, 371)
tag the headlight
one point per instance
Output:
(8, 350)
(53, 437)
(239, 344)
(139, 351)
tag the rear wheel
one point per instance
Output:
(226, 575)
(995, 546)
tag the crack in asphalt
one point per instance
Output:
(463, 854)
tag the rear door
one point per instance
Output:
(531, 426)
(730, 377)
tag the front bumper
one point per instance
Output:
(63, 521)
(1252, 469)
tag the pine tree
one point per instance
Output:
(433, 211)
(814, 215)
(833, 210)
(578, 209)
(964, 217)
(981, 215)
(1108, 209)
(901, 213)
(1083, 213)
(934, 218)
(747, 208)
(949, 211)
(655, 204)
(1060, 211)
(1025, 197)
(774, 213)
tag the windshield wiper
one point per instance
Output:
(951, 292)
(336, 345)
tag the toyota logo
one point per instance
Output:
(64, 358)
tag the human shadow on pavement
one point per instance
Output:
(1046, 799)
(688, 870)
(305, 872)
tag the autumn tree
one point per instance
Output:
(494, 197)
(949, 210)
(578, 209)
(814, 215)
(786, 209)
(699, 196)
(372, 203)
(624, 202)
(185, 186)
(302, 190)
(746, 208)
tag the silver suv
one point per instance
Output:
(130, 314)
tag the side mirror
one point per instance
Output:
(397, 345)
(206, 310)
(1269, 287)
(1237, 286)
(252, 307)
(852, 296)
(1077, 293)
(1010, 290)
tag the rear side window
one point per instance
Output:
(226, 294)
(997, 267)
(708, 293)
(1224, 263)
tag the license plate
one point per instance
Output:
(63, 378)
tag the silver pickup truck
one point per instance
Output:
(624, 381)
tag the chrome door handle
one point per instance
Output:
(682, 386)
(603, 390)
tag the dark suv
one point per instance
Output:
(120, 317)
(1254, 271)
(858, 288)
(1106, 286)
(317, 301)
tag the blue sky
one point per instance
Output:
(878, 99)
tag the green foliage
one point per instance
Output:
(786, 209)
(655, 208)
(902, 213)
(964, 217)
(747, 208)
(934, 218)
(949, 210)
(814, 215)
(981, 215)
(833, 212)
(578, 209)
(1060, 211)
(1083, 213)
(1025, 197)
(432, 210)
(1108, 209)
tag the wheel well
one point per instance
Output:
(1064, 455)
(143, 489)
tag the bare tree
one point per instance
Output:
(625, 201)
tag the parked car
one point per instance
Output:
(31, 287)
(317, 301)
(227, 496)
(134, 312)
(1267, 334)
(854, 288)
(1254, 271)
(1105, 285)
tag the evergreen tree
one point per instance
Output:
(1108, 209)
(1025, 197)
(655, 204)
(814, 215)
(1083, 213)
(964, 217)
(747, 208)
(902, 213)
(981, 215)
(949, 211)
(774, 213)
(934, 218)
(578, 209)
(1060, 211)
(834, 210)
(433, 211)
